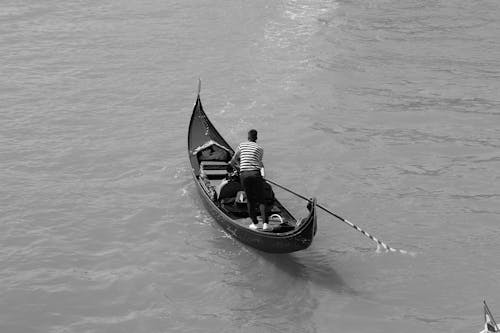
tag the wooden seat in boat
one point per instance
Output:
(214, 169)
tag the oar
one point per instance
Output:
(384, 245)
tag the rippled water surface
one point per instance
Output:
(387, 111)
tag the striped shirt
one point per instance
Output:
(250, 156)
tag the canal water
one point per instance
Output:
(387, 111)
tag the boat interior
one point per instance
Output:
(222, 184)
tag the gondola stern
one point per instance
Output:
(312, 220)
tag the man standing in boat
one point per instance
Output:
(249, 154)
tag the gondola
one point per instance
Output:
(223, 196)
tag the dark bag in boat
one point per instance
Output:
(236, 205)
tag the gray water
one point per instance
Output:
(387, 111)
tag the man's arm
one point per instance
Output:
(235, 158)
(262, 171)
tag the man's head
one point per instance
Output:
(252, 135)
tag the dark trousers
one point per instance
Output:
(253, 184)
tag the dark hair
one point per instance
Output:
(252, 134)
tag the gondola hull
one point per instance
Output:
(302, 231)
